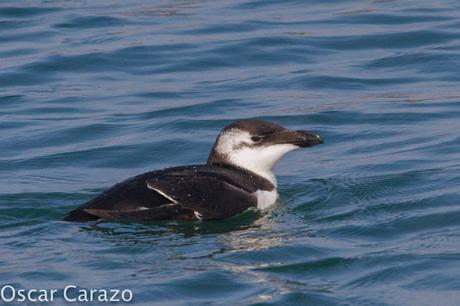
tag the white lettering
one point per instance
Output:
(29, 295)
(127, 295)
(43, 295)
(70, 294)
(21, 295)
(114, 297)
(82, 295)
(12, 291)
(92, 292)
(102, 296)
(66, 296)
(52, 293)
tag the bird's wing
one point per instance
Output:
(173, 193)
(155, 213)
(209, 195)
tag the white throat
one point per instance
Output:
(259, 160)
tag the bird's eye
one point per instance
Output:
(256, 138)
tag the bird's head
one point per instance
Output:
(257, 145)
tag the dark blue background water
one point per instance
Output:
(92, 92)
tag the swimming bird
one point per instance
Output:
(238, 175)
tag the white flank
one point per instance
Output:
(266, 199)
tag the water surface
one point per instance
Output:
(92, 92)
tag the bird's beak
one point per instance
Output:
(302, 139)
(307, 139)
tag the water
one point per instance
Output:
(92, 92)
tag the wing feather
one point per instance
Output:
(210, 196)
(180, 193)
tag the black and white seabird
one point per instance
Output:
(238, 175)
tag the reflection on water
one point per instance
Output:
(186, 229)
(246, 231)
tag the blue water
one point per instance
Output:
(93, 92)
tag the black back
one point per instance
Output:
(214, 191)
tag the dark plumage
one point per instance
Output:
(217, 190)
(214, 192)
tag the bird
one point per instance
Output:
(238, 175)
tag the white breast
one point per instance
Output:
(266, 199)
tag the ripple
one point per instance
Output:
(406, 40)
(25, 12)
(85, 22)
